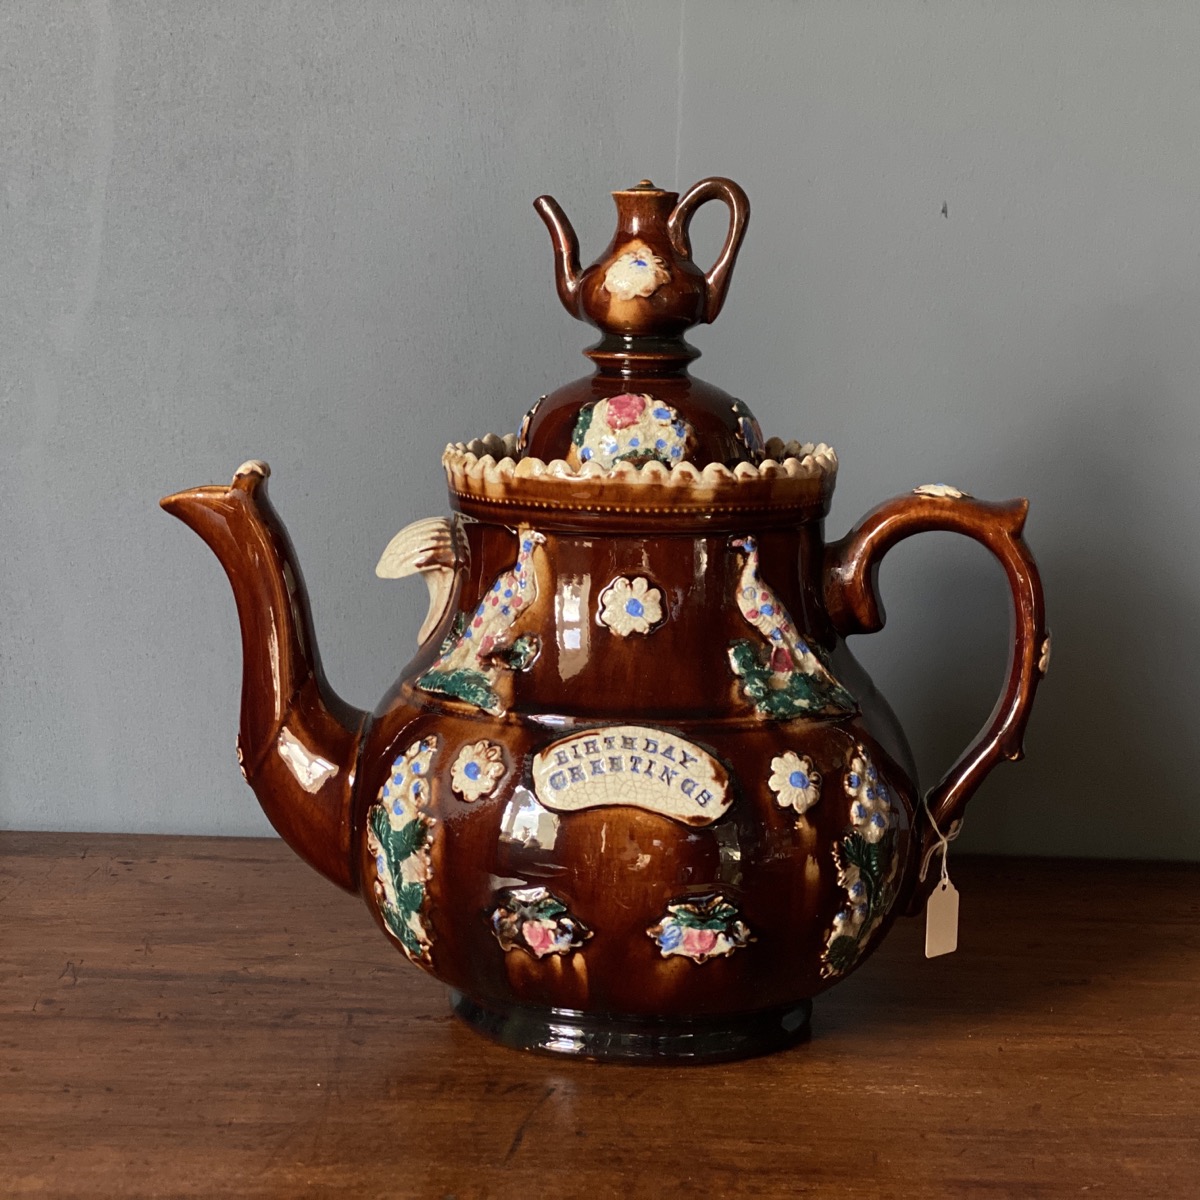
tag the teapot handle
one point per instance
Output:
(717, 279)
(852, 597)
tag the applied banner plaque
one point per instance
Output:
(634, 766)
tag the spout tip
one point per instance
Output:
(249, 477)
(176, 503)
(188, 505)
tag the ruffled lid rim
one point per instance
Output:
(791, 481)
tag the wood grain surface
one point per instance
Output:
(206, 1017)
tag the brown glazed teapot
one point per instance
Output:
(634, 797)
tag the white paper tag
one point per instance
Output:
(941, 920)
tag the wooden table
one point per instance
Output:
(201, 1017)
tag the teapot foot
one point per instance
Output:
(647, 1039)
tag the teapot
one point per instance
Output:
(634, 797)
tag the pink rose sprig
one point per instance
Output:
(624, 410)
(538, 922)
(704, 928)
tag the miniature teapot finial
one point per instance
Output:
(645, 284)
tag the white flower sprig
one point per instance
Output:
(794, 781)
(630, 606)
(477, 770)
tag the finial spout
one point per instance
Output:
(298, 741)
(566, 252)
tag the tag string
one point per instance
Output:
(943, 840)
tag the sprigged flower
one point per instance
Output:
(638, 272)
(704, 928)
(794, 781)
(542, 937)
(631, 427)
(850, 878)
(870, 803)
(630, 606)
(537, 921)
(624, 410)
(399, 830)
(477, 770)
(867, 866)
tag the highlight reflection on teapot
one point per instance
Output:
(634, 797)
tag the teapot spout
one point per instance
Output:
(298, 741)
(566, 252)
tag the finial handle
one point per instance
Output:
(717, 278)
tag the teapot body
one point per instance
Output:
(680, 800)
(634, 797)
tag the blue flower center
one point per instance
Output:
(798, 779)
(471, 770)
(634, 607)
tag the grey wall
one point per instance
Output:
(302, 232)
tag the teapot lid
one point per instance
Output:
(641, 438)
(643, 293)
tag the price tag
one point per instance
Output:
(941, 919)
